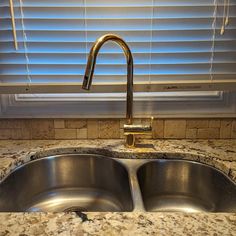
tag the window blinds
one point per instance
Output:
(172, 41)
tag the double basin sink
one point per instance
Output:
(90, 182)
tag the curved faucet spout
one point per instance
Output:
(129, 58)
(129, 129)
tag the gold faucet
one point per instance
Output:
(129, 129)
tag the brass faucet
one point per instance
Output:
(129, 129)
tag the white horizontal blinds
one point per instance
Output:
(178, 33)
(130, 19)
(183, 39)
(55, 41)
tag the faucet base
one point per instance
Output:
(130, 140)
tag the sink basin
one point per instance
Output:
(185, 186)
(89, 182)
(67, 183)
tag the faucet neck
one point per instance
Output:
(129, 59)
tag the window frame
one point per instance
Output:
(207, 104)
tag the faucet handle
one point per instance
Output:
(138, 129)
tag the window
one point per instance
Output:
(176, 44)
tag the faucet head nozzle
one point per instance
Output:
(88, 75)
(86, 85)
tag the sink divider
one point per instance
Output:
(132, 167)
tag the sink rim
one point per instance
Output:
(138, 162)
(116, 155)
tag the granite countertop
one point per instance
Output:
(218, 153)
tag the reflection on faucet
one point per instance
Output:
(129, 129)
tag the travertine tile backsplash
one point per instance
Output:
(113, 128)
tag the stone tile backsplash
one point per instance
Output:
(113, 128)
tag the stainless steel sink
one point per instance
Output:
(89, 182)
(67, 183)
(178, 185)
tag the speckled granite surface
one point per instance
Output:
(218, 153)
(109, 224)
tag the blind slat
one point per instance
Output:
(131, 12)
(72, 3)
(158, 47)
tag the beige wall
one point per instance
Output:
(113, 128)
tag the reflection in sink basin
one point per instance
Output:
(185, 186)
(89, 182)
(67, 183)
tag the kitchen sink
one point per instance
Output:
(67, 183)
(186, 186)
(91, 182)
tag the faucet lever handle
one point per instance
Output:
(138, 129)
